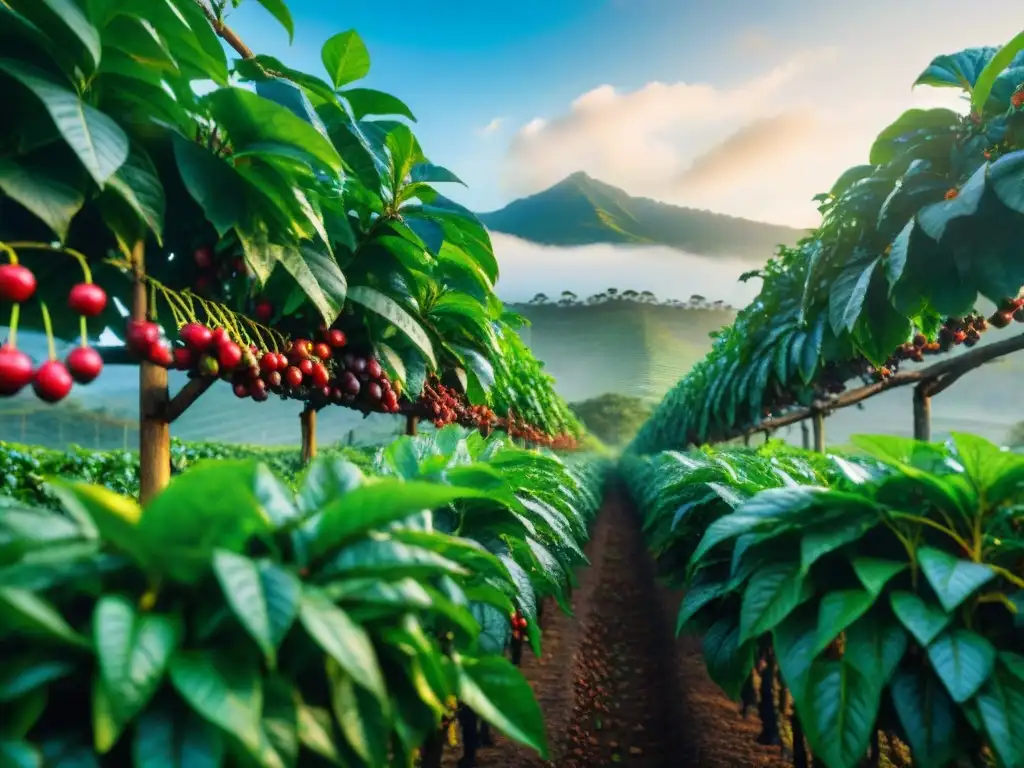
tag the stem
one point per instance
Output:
(12, 337)
(83, 328)
(48, 327)
(12, 257)
(937, 526)
(1009, 576)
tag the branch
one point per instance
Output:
(225, 32)
(935, 377)
(186, 396)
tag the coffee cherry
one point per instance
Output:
(87, 299)
(17, 283)
(84, 364)
(15, 370)
(52, 381)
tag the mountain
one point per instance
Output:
(580, 210)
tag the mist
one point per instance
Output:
(528, 269)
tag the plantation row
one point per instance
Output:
(341, 617)
(891, 276)
(871, 601)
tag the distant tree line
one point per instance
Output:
(570, 299)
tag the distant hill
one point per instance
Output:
(580, 210)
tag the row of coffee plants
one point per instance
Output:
(24, 468)
(236, 621)
(880, 594)
(906, 244)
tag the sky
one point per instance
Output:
(744, 107)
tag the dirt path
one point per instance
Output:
(616, 689)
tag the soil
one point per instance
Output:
(615, 687)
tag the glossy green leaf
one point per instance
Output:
(343, 640)
(953, 579)
(345, 58)
(928, 717)
(392, 311)
(279, 10)
(923, 621)
(498, 693)
(963, 660)
(366, 101)
(223, 689)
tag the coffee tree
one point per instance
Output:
(277, 229)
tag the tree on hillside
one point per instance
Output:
(568, 299)
(648, 298)
(540, 298)
(630, 295)
(612, 418)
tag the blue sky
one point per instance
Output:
(460, 65)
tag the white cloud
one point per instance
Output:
(760, 148)
(528, 269)
(493, 126)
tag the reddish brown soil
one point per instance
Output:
(616, 689)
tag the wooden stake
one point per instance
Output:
(805, 434)
(308, 421)
(410, 424)
(154, 429)
(922, 413)
(818, 421)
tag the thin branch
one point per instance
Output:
(225, 32)
(186, 396)
(937, 377)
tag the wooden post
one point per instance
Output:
(805, 434)
(746, 439)
(818, 421)
(922, 414)
(308, 421)
(410, 424)
(154, 429)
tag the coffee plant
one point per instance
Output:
(907, 243)
(881, 594)
(283, 231)
(234, 621)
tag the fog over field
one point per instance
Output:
(528, 269)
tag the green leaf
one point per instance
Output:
(963, 660)
(838, 610)
(47, 192)
(27, 673)
(816, 543)
(19, 754)
(392, 311)
(37, 616)
(98, 142)
(366, 101)
(361, 716)
(771, 594)
(847, 294)
(166, 738)
(250, 119)
(319, 276)
(875, 645)
(928, 717)
(838, 713)
(434, 174)
(875, 573)
(497, 692)
(1001, 708)
(279, 10)
(995, 67)
(133, 651)
(345, 58)
(213, 183)
(886, 146)
(316, 733)
(923, 621)
(343, 640)
(953, 579)
(138, 184)
(224, 689)
(264, 597)
(379, 503)
(727, 658)
(212, 506)
(65, 23)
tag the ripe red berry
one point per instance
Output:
(229, 355)
(196, 336)
(373, 368)
(220, 336)
(52, 382)
(306, 366)
(293, 377)
(319, 374)
(241, 390)
(160, 354)
(259, 390)
(87, 299)
(17, 283)
(84, 364)
(203, 257)
(374, 392)
(273, 379)
(300, 349)
(183, 358)
(141, 335)
(335, 338)
(268, 362)
(264, 311)
(15, 370)
(321, 350)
